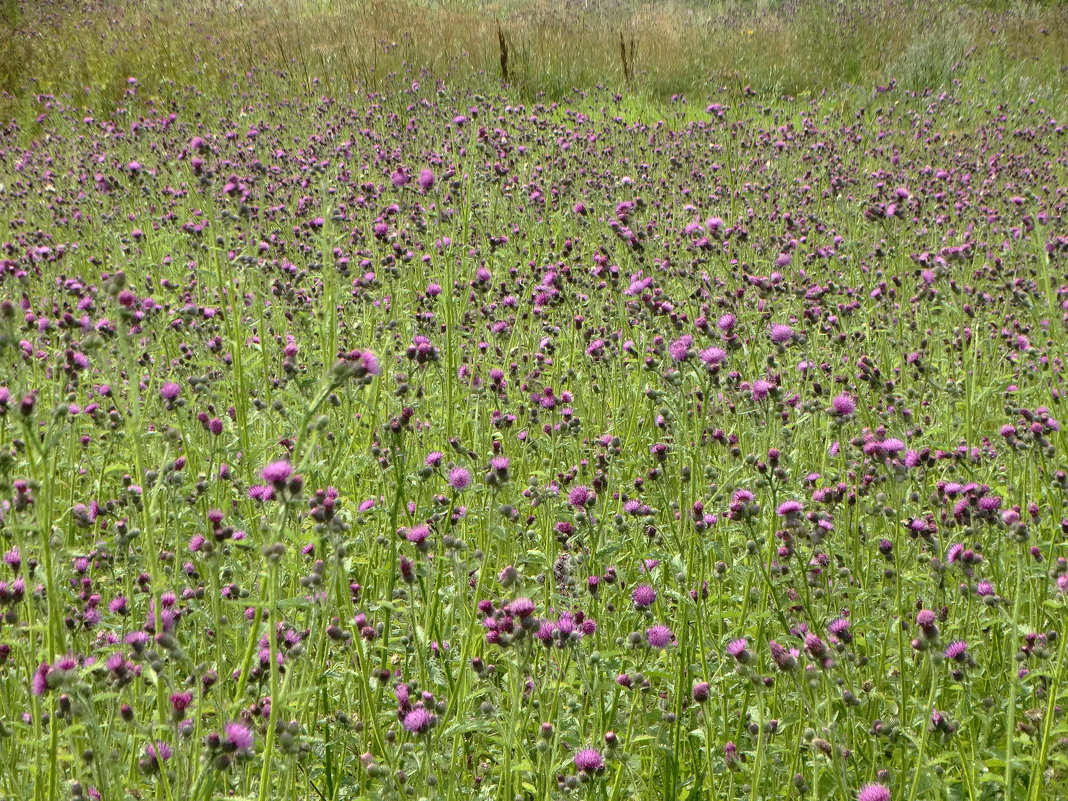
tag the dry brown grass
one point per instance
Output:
(776, 47)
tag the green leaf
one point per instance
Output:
(464, 727)
(295, 603)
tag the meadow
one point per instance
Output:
(678, 420)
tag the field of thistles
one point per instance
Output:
(426, 443)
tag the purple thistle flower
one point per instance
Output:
(839, 629)
(730, 753)
(39, 682)
(158, 751)
(277, 473)
(926, 620)
(816, 647)
(417, 534)
(712, 357)
(580, 497)
(238, 736)
(180, 702)
(939, 722)
(589, 760)
(679, 350)
(760, 389)
(545, 633)
(418, 721)
(873, 792)
(659, 636)
(957, 651)
(781, 334)
(643, 596)
(785, 660)
(65, 664)
(116, 662)
(459, 478)
(843, 405)
(521, 608)
(367, 363)
(260, 492)
(789, 509)
(739, 650)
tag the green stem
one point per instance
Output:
(923, 738)
(1035, 786)
(268, 750)
(1010, 728)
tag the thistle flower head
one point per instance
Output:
(659, 636)
(589, 761)
(873, 792)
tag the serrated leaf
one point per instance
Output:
(295, 603)
(437, 676)
(464, 727)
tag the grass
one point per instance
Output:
(774, 48)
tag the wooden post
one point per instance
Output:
(504, 52)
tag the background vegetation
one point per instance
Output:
(656, 49)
